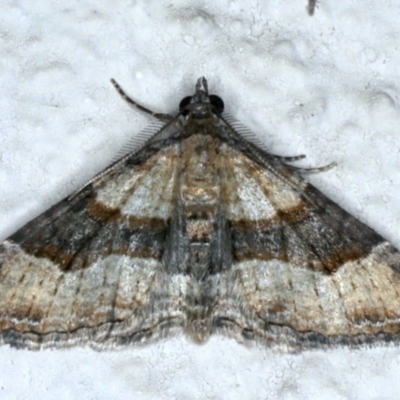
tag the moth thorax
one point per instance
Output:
(200, 195)
(200, 177)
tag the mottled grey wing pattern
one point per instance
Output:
(89, 269)
(305, 272)
(198, 231)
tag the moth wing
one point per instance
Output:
(89, 269)
(305, 273)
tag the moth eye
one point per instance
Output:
(182, 105)
(217, 102)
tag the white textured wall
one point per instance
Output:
(327, 86)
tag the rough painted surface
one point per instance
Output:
(323, 86)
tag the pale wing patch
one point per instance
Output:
(37, 296)
(253, 193)
(146, 190)
(362, 297)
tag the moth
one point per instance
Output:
(198, 231)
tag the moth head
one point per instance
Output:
(201, 105)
